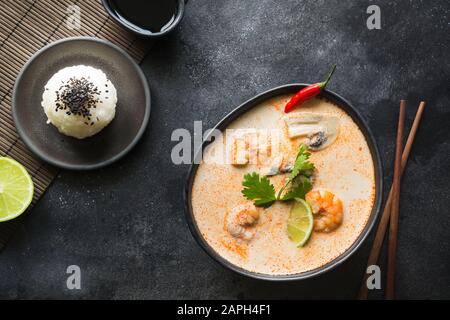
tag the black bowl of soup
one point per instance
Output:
(350, 168)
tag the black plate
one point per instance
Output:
(110, 144)
(223, 124)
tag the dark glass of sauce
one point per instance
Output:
(146, 17)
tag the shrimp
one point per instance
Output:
(327, 210)
(241, 220)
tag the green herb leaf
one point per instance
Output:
(258, 189)
(301, 167)
(300, 187)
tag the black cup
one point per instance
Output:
(141, 31)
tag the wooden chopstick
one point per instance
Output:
(393, 225)
(382, 226)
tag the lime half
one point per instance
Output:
(300, 222)
(16, 189)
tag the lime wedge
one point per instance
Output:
(300, 222)
(16, 189)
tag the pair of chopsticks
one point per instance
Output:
(390, 211)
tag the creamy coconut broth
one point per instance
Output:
(345, 168)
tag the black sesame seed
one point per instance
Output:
(77, 94)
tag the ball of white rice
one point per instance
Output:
(79, 100)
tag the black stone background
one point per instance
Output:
(124, 225)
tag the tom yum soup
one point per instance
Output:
(295, 190)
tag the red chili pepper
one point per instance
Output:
(308, 92)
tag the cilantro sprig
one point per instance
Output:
(258, 189)
(302, 169)
(262, 191)
(300, 187)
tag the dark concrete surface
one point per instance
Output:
(124, 225)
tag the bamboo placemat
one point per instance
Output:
(25, 27)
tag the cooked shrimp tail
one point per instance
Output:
(327, 210)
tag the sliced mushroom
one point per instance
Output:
(273, 168)
(287, 168)
(326, 136)
(321, 130)
(288, 164)
(317, 139)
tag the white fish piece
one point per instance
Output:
(239, 151)
(243, 150)
(264, 148)
(321, 130)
